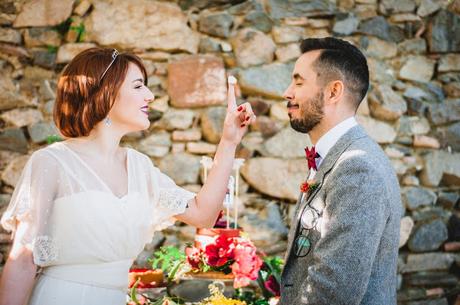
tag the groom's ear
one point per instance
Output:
(334, 93)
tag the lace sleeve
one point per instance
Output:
(28, 212)
(170, 200)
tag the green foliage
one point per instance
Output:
(52, 49)
(132, 293)
(53, 138)
(63, 27)
(80, 30)
(225, 268)
(249, 297)
(313, 187)
(206, 268)
(66, 26)
(273, 265)
(167, 258)
(175, 268)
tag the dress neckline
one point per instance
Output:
(85, 164)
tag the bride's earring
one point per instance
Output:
(107, 121)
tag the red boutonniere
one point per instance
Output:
(308, 185)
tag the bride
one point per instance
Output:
(84, 208)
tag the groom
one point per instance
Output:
(343, 242)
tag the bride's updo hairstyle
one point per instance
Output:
(87, 89)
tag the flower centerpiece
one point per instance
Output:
(175, 263)
(224, 253)
(233, 256)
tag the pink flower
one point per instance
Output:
(193, 257)
(246, 265)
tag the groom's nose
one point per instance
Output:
(288, 94)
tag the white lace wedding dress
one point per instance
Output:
(82, 236)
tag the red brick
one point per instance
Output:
(197, 81)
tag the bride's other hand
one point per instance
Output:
(238, 118)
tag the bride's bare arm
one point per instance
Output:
(18, 276)
(203, 210)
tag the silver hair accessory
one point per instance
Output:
(108, 121)
(114, 56)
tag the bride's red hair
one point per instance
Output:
(83, 99)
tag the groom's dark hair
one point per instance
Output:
(340, 60)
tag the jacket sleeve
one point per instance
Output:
(353, 221)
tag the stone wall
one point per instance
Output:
(189, 46)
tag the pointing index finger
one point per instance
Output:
(231, 97)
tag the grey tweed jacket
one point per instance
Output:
(355, 243)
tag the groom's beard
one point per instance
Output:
(311, 116)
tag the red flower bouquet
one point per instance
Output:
(229, 255)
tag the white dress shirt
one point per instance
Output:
(328, 140)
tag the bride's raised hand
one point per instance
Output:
(238, 118)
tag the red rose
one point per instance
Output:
(304, 187)
(220, 252)
(308, 185)
(272, 285)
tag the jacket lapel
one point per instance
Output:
(331, 158)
